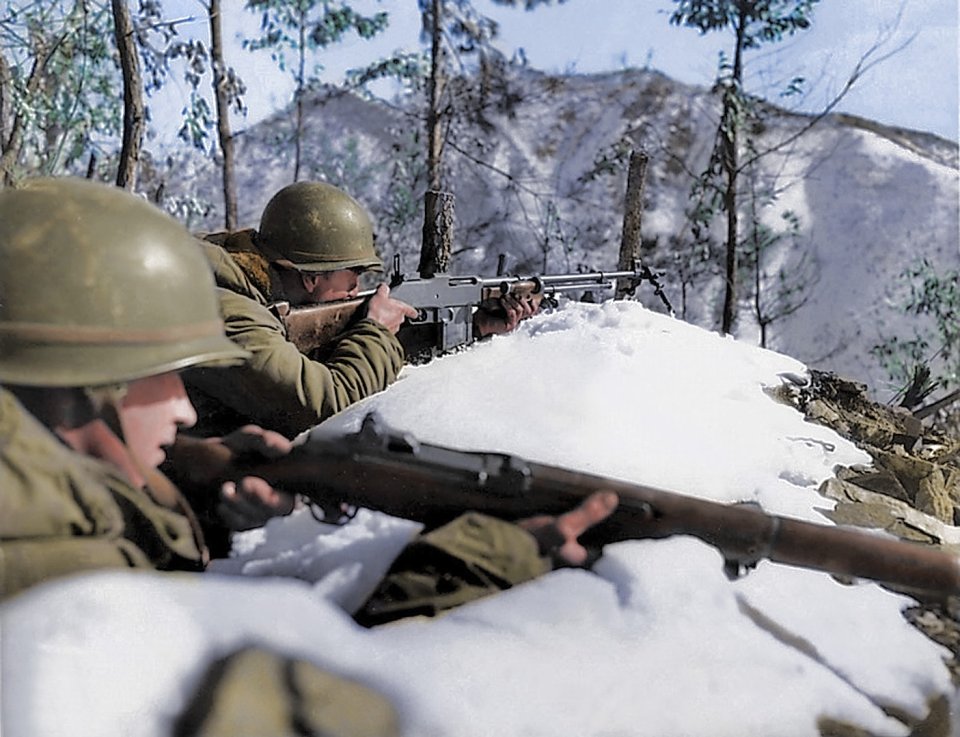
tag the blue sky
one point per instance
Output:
(916, 87)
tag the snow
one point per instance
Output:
(656, 640)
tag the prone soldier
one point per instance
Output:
(313, 243)
(91, 401)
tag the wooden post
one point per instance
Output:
(632, 217)
(437, 233)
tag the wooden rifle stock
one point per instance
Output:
(315, 326)
(395, 474)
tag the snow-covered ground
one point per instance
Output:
(654, 641)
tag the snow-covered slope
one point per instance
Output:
(656, 641)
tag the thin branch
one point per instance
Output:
(860, 68)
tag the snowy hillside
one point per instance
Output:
(656, 641)
(539, 174)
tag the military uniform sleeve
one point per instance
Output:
(280, 388)
(467, 559)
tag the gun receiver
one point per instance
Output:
(444, 304)
(394, 473)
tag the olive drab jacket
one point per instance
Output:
(280, 388)
(62, 512)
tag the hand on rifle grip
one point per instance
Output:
(251, 502)
(495, 317)
(388, 311)
(247, 502)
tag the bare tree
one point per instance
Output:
(303, 27)
(14, 141)
(753, 23)
(434, 96)
(60, 85)
(134, 114)
(223, 87)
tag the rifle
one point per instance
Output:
(445, 305)
(394, 473)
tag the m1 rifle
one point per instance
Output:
(394, 473)
(445, 305)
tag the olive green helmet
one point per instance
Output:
(313, 226)
(99, 287)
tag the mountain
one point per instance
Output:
(537, 164)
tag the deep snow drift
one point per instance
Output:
(655, 641)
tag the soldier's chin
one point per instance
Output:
(158, 456)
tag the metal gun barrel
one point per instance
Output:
(559, 282)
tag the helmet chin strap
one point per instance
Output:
(106, 402)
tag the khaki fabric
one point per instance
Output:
(472, 557)
(62, 512)
(280, 388)
(256, 693)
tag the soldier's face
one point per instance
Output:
(330, 286)
(152, 411)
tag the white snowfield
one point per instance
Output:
(656, 640)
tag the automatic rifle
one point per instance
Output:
(394, 473)
(445, 305)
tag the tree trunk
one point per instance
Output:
(134, 116)
(434, 133)
(13, 145)
(223, 116)
(631, 240)
(729, 130)
(6, 104)
(301, 84)
(437, 233)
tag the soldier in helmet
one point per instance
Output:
(91, 400)
(313, 243)
(89, 362)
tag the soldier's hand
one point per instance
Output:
(503, 315)
(558, 536)
(251, 502)
(252, 440)
(388, 311)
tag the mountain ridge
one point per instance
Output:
(537, 163)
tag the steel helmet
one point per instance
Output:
(313, 226)
(98, 287)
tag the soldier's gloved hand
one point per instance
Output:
(503, 315)
(252, 440)
(251, 501)
(388, 311)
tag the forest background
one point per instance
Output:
(199, 77)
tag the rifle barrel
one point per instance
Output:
(398, 475)
(585, 279)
